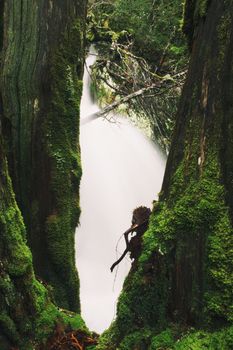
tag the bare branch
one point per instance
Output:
(116, 104)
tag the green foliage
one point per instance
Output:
(137, 340)
(153, 25)
(45, 322)
(163, 341)
(52, 316)
(100, 92)
(170, 339)
(140, 43)
(108, 339)
(207, 341)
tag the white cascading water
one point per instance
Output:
(122, 170)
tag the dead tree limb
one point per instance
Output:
(103, 112)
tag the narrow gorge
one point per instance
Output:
(128, 171)
(178, 294)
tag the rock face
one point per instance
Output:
(42, 62)
(184, 275)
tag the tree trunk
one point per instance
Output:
(199, 172)
(42, 63)
(27, 316)
(184, 274)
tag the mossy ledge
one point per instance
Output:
(179, 294)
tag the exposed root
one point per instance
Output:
(73, 340)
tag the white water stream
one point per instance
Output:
(122, 169)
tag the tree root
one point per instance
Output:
(74, 340)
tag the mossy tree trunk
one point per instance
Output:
(197, 186)
(17, 283)
(184, 275)
(42, 62)
(27, 315)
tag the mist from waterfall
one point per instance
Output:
(122, 169)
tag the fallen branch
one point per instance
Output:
(103, 112)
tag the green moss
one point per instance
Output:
(41, 106)
(193, 340)
(52, 316)
(203, 340)
(108, 339)
(173, 338)
(61, 252)
(61, 131)
(20, 254)
(27, 316)
(201, 8)
(13, 233)
(165, 340)
(8, 327)
(184, 274)
(190, 234)
(73, 320)
(17, 282)
(199, 209)
(137, 340)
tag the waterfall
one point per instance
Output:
(122, 169)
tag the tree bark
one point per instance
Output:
(202, 152)
(184, 274)
(27, 316)
(42, 63)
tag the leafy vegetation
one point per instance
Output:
(142, 50)
(173, 338)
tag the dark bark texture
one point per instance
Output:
(184, 274)
(42, 63)
(16, 276)
(202, 153)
